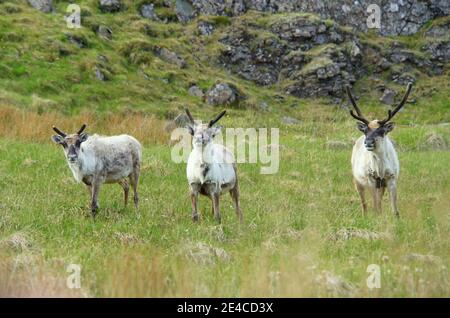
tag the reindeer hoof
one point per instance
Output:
(94, 211)
(195, 217)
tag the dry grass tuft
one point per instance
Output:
(135, 275)
(334, 284)
(127, 238)
(25, 276)
(18, 242)
(430, 259)
(434, 142)
(34, 127)
(347, 234)
(205, 254)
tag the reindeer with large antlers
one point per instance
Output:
(211, 169)
(375, 164)
(95, 160)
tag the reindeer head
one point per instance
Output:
(375, 130)
(71, 143)
(203, 134)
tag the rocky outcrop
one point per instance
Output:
(104, 32)
(388, 97)
(78, 40)
(42, 5)
(220, 7)
(148, 12)
(196, 91)
(399, 54)
(315, 57)
(170, 57)
(439, 30)
(252, 57)
(326, 74)
(306, 31)
(205, 28)
(222, 94)
(398, 16)
(439, 51)
(110, 5)
(99, 74)
(184, 11)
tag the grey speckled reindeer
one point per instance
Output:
(211, 168)
(95, 160)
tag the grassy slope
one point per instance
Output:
(284, 243)
(34, 74)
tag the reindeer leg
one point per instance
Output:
(134, 180)
(235, 196)
(126, 190)
(392, 187)
(216, 198)
(89, 189)
(382, 190)
(377, 199)
(362, 194)
(194, 202)
(95, 190)
(361, 190)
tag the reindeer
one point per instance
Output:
(211, 169)
(375, 164)
(95, 160)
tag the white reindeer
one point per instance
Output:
(211, 169)
(375, 164)
(95, 160)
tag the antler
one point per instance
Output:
(81, 129)
(391, 113)
(215, 120)
(188, 113)
(360, 116)
(59, 132)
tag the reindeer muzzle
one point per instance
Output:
(370, 144)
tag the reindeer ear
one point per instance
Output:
(216, 130)
(388, 127)
(190, 129)
(57, 139)
(83, 137)
(361, 127)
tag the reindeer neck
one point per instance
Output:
(203, 152)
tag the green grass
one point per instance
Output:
(289, 218)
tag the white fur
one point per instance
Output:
(382, 162)
(97, 149)
(221, 170)
(368, 166)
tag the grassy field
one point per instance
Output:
(303, 232)
(296, 239)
